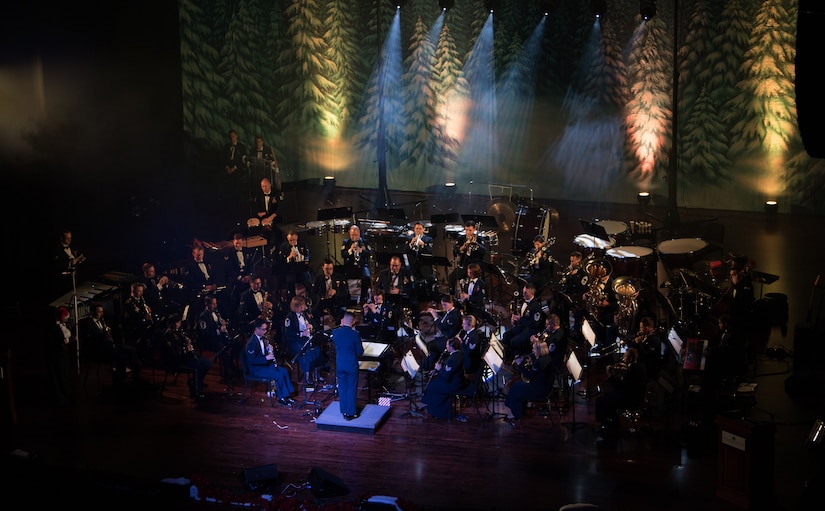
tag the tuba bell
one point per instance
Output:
(598, 268)
(626, 289)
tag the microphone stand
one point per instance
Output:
(73, 272)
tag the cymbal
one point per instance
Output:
(503, 212)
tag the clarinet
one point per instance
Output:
(441, 360)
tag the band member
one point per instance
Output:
(536, 371)
(527, 321)
(446, 377)
(649, 345)
(330, 292)
(356, 255)
(199, 278)
(97, 337)
(628, 379)
(235, 190)
(419, 247)
(66, 262)
(472, 293)
(266, 209)
(260, 359)
(292, 260)
(138, 320)
(539, 266)
(395, 282)
(468, 249)
(448, 324)
(179, 351)
(470, 347)
(348, 347)
(214, 335)
(159, 292)
(239, 263)
(299, 329)
(602, 305)
(254, 302)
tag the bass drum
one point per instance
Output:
(530, 222)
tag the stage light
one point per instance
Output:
(647, 8)
(449, 188)
(771, 208)
(643, 198)
(492, 5)
(446, 4)
(598, 7)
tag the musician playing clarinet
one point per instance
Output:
(446, 378)
(261, 361)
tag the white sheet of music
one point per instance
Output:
(409, 364)
(574, 367)
(422, 345)
(374, 349)
(493, 359)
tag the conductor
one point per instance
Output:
(348, 348)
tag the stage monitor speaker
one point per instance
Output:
(260, 478)
(325, 485)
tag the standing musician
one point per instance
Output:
(446, 377)
(214, 335)
(299, 329)
(573, 283)
(348, 347)
(260, 359)
(448, 324)
(472, 292)
(356, 255)
(420, 244)
(527, 321)
(330, 292)
(468, 249)
(539, 266)
(266, 209)
(179, 351)
(66, 261)
(292, 260)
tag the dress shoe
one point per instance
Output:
(283, 401)
(461, 418)
(290, 400)
(348, 417)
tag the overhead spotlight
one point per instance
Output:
(643, 198)
(446, 4)
(647, 8)
(771, 208)
(598, 7)
(449, 188)
(546, 6)
(399, 3)
(492, 5)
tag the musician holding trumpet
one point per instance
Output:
(419, 244)
(468, 249)
(356, 255)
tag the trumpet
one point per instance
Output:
(414, 243)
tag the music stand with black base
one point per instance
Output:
(574, 370)
(411, 369)
(309, 389)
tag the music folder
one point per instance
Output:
(574, 367)
(374, 349)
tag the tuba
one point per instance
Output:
(596, 270)
(626, 289)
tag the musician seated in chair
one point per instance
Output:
(536, 371)
(446, 378)
(628, 379)
(214, 335)
(396, 281)
(472, 293)
(539, 266)
(179, 351)
(330, 292)
(448, 325)
(527, 321)
(254, 301)
(299, 331)
(261, 362)
(98, 339)
(382, 318)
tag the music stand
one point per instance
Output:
(481, 220)
(411, 369)
(494, 359)
(594, 229)
(574, 371)
(391, 214)
(332, 214)
(309, 395)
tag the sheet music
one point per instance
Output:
(374, 349)
(422, 345)
(409, 364)
(493, 359)
(574, 367)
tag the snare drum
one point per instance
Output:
(590, 245)
(681, 252)
(630, 261)
(253, 222)
(315, 228)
